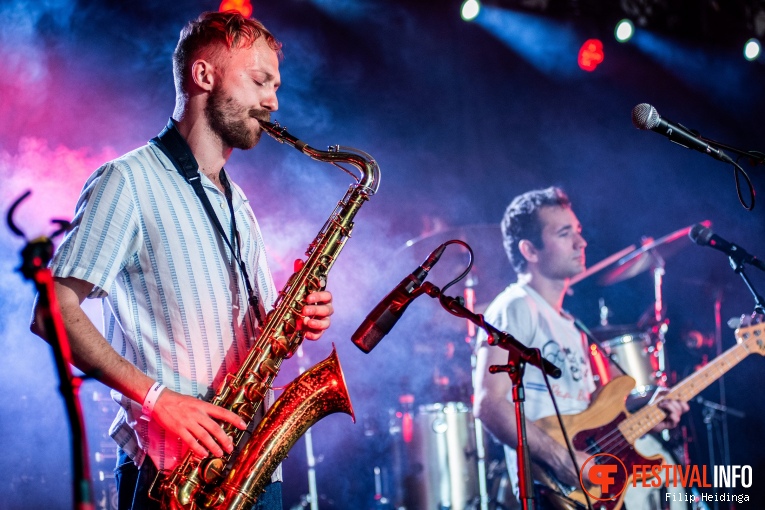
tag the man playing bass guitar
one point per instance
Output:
(543, 239)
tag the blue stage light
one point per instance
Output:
(548, 44)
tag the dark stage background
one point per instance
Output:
(461, 117)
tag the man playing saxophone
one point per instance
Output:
(184, 283)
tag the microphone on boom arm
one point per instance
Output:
(384, 316)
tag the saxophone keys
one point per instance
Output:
(214, 498)
(280, 347)
(245, 410)
(212, 469)
(255, 391)
(267, 369)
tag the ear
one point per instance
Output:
(528, 250)
(203, 74)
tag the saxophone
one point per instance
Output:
(235, 480)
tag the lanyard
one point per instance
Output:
(175, 147)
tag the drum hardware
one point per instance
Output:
(99, 410)
(595, 268)
(630, 262)
(637, 349)
(645, 257)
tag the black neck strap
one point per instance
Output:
(177, 150)
(594, 341)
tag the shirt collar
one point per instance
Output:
(175, 147)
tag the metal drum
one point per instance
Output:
(442, 459)
(641, 357)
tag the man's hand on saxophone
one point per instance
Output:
(197, 423)
(316, 314)
(193, 421)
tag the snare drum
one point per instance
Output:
(639, 356)
(442, 458)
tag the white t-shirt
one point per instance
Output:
(522, 312)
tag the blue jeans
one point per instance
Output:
(133, 487)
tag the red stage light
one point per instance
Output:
(591, 54)
(244, 7)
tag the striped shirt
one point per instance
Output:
(173, 300)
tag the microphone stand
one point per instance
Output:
(35, 258)
(737, 264)
(518, 356)
(515, 368)
(480, 450)
(755, 157)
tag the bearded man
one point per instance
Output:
(172, 248)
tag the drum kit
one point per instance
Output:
(442, 459)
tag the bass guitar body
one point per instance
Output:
(596, 431)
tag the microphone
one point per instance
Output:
(386, 314)
(703, 236)
(645, 116)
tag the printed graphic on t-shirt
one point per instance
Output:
(572, 364)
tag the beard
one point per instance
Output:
(228, 119)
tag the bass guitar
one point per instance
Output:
(607, 427)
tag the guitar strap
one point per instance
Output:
(594, 341)
(177, 150)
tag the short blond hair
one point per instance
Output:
(213, 31)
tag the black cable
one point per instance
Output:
(739, 169)
(755, 158)
(569, 446)
(594, 341)
(469, 266)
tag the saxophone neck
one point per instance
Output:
(368, 171)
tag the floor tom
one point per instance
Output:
(640, 355)
(442, 458)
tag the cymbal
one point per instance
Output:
(611, 331)
(651, 254)
(601, 265)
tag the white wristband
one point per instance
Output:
(151, 399)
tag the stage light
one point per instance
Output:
(244, 7)
(591, 54)
(544, 42)
(624, 30)
(470, 9)
(752, 49)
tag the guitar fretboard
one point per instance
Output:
(641, 422)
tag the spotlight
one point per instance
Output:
(244, 7)
(752, 49)
(470, 9)
(624, 30)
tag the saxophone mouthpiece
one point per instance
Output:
(269, 127)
